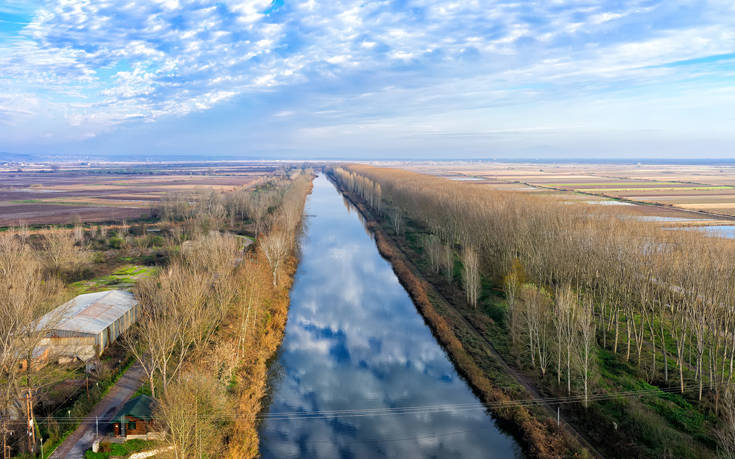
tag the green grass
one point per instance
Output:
(122, 278)
(121, 449)
(144, 389)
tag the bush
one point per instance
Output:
(156, 241)
(115, 242)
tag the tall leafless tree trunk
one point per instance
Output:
(471, 275)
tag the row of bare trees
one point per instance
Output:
(205, 210)
(577, 277)
(367, 189)
(203, 316)
(182, 306)
(280, 241)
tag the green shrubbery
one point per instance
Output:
(119, 449)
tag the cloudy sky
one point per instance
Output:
(368, 79)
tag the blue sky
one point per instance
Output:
(370, 79)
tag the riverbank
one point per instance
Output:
(252, 376)
(474, 358)
(251, 379)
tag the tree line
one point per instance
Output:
(212, 317)
(576, 278)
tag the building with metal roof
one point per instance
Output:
(86, 325)
(136, 418)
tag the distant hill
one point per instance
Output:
(15, 157)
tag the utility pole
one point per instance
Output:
(29, 416)
(5, 439)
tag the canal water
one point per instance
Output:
(359, 373)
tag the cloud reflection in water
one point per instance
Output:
(354, 341)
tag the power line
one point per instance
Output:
(408, 410)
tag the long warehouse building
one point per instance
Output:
(86, 325)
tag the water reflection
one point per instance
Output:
(722, 231)
(726, 231)
(354, 341)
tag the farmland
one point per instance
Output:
(669, 195)
(65, 193)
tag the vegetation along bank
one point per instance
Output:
(624, 327)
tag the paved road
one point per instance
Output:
(81, 439)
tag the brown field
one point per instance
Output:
(38, 194)
(697, 194)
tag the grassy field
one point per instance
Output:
(122, 278)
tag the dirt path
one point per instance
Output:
(81, 439)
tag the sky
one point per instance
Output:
(401, 79)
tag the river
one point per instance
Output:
(359, 373)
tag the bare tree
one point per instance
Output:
(564, 321)
(174, 317)
(195, 413)
(512, 286)
(726, 432)
(586, 324)
(25, 296)
(61, 254)
(276, 247)
(471, 275)
(78, 234)
(433, 248)
(396, 219)
(259, 206)
(447, 261)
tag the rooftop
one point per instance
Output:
(140, 407)
(90, 313)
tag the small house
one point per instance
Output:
(136, 417)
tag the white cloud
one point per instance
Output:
(112, 61)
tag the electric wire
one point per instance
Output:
(404, 410)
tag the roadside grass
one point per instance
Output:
(144, 389)
(121, 449)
